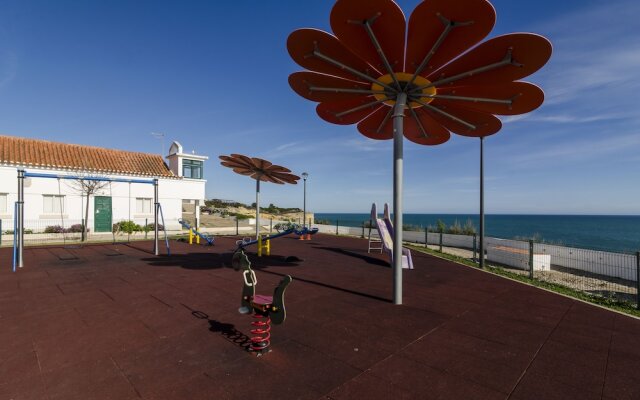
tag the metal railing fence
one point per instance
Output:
(596, 272)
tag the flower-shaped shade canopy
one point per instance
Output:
(452, 83)
(259, 169)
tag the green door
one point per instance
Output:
(102, 214)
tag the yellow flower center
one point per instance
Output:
(412, 89)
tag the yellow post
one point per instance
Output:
(197, 237)
(268, 247)
(190, 237)
(259, 245)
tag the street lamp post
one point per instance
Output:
(304, 202)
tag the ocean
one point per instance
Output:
(618, 233)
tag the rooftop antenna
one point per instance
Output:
(159, 135)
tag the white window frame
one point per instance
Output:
(144, 206)
(55, 204)
(4, 203)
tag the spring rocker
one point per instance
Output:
(265, 309)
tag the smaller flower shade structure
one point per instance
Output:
(260, 170)
(423, 80)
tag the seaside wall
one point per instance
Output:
(516, 252)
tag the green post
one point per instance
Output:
(475, 248)
(337, 224)
(271, 226)
(426, 237)
(146, 228)
(440, 242)
(238, 228)
(531, 259)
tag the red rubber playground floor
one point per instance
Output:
(115, 322)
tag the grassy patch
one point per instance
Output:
(609, 302)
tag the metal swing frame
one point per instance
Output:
(18, 232)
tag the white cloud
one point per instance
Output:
(587, 149)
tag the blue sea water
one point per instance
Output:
(619, 233)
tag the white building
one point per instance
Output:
(60, 202)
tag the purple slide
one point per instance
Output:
(386, 232)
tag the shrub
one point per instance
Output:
(126, 227)
(151, 227)
(469, 228)
(455, 229)
(76, 228)
(283, 226)
(54, 229)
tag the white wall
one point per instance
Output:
(171, 193)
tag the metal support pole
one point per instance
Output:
(426, 237)
(237, 227)
(481, 202)
(398, 137)
(146, 228)
(531, 259)
(270, 225)
(304, 204)
(19, 230)
(337, 227)
(156, 209)
(258, 208)
(475, 247)
(638, 280)
(440, 241)
(197, 214)
(362, 230)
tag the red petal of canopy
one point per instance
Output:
(475, 19)
(269, 178)
(243, 171)
(303, 42)
(288, 178)
(528, 50)
(387, 22)
(486, 124)
(242, 158)
(370, 125)
(525, 97)
(435, 132)
(257, 168)
(328, 111)
(233, 165)
(301, 82)
(261, 164)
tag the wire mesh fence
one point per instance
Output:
(55, 231)
(596, 272)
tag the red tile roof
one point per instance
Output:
(53, 155)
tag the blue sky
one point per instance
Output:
(213, 75)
